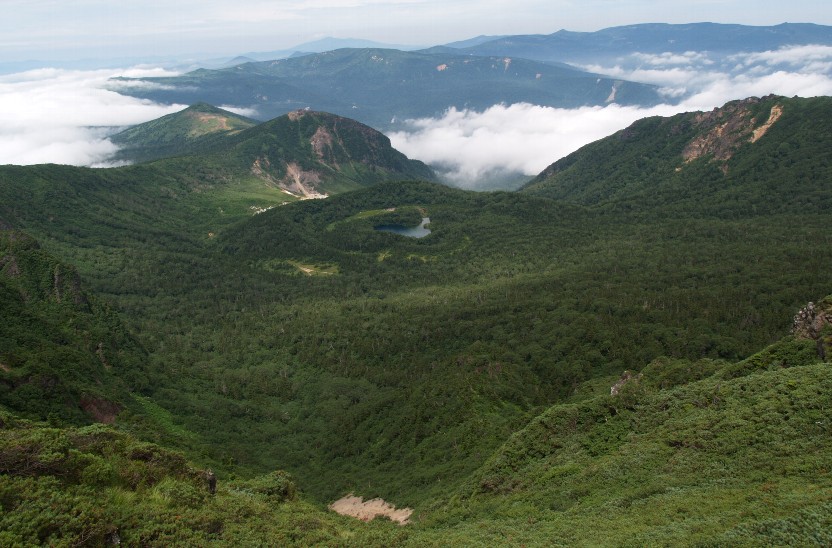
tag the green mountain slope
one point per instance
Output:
(183, 132)
(303, 154)
(684, 453)
(309, 153)
(304, 339)
(378, 86)
(756, 156)
(95, 486)
(63, 354)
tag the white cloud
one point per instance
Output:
(63, 116)
(670, 59)
(518, 138)
(796, 56)
(242, 111)
(521, 138)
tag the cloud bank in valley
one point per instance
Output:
(64, 116)
(468, 146)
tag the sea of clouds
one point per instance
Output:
(65, 116)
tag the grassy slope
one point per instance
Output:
(740, 457)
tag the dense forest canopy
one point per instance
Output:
(300, 354)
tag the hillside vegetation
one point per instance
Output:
(466, 374)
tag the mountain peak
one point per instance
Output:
(178, 133)
(310, 154)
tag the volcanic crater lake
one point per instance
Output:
(419, 231)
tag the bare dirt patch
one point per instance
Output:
(99, 409)
(215, 120)
(776, 113)
(321, 142)
(353, 506)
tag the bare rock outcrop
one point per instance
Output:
(811, 321)
(727, 129)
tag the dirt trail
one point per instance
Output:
(351, 505)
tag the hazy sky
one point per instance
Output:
(71, 29)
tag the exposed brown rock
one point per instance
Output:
(321, 142)
(776, 113)
(731, 126)
(810, 321)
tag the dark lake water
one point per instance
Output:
(410, 231)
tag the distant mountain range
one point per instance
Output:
(322, 45)
(380, 86)
(582, 47)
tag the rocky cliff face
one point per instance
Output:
(723, 130)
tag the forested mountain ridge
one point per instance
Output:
(302, 154)
(768, 154)
(380, 86)
(307, 153)
(302, 338)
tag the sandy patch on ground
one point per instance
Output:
(351, 505)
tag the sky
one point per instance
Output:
(73, 29)
(65, 116)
